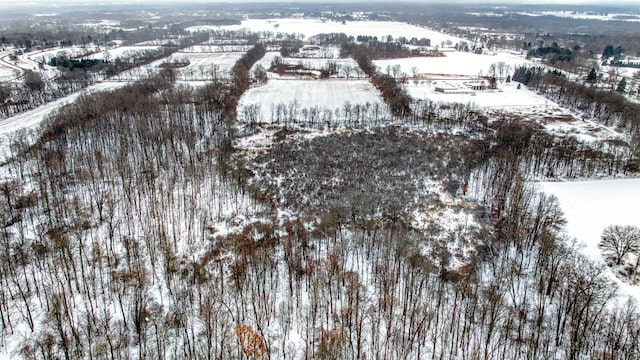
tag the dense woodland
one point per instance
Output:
(135, 225)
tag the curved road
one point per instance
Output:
(6, 63)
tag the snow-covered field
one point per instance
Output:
(627, 72)
(8, 73)
(205, 65)
(217, 48)
(319, 64)
(586, 15)
(306, 94)
(70, 52)
(122, 52)
(506, 96)
(590, 206)
(315, 26)
(202, 66)
(266, 60)
(454, 63)
(159, 42)
(322, 52)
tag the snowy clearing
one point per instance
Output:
(453, 63)
(121, 52)
(201, 66)
(306, 94)
(70, 52)
(507, 95)
(586, 15)
(205, 65)
(315, 26)
(8, 72)
(590, 206)
(217, 48)
(319, 64)
(266, 60)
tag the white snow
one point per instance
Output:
(71, 52)
(325, 94)
(590, 206)
(202, 66)
(506, 96)
(315, 26)
(32, 118)
(586, 15)
(266, 60)
(217, 48)
(205, 65)
(11, 70)
(319, 64)
(454, 63)
(122, 52)
(8, 73)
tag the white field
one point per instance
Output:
(160, 42)
(590, 206)
(71, 52)
(8, 74)
(627, 72)
(217, 48)
(122, 52)
(323, 94)
(586, 15)
(202, 66)
(319, 64)
(215, 41)
(266, 60)
(454, 63)
(329, 52)
(506, 96)
(8, 70)
(205, 65)
(314, 26)
(510, 101)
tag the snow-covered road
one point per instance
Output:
(34, 117)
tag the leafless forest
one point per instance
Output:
(147, 222)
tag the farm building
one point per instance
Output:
(477, 85)
(447, 88)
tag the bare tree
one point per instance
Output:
(33, 81)
(619, 240)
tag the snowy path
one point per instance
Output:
(8, 71)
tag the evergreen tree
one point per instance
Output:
(493, 83)
(593, 76)
(607, 52)
(622, 86)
